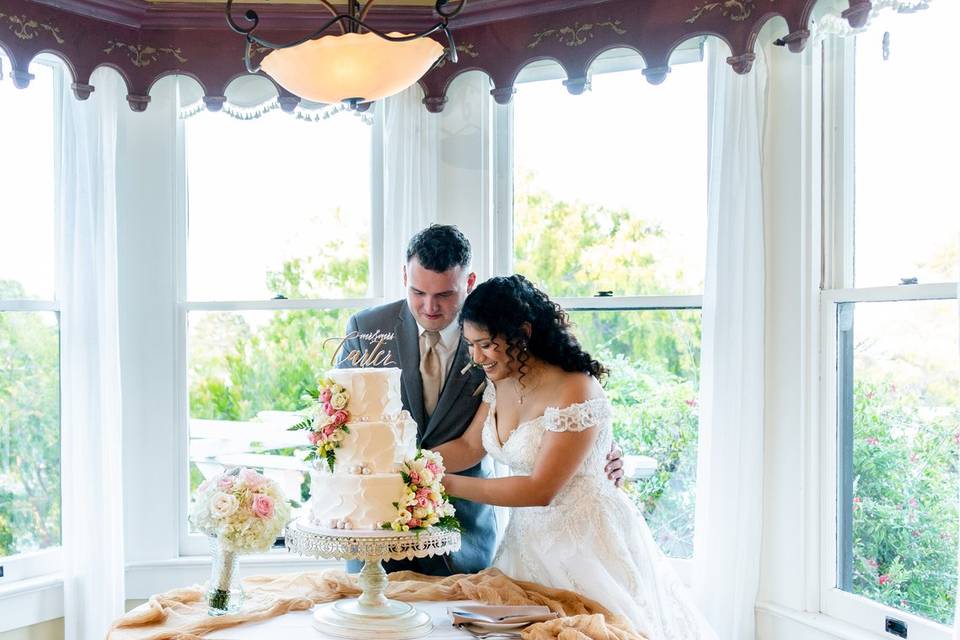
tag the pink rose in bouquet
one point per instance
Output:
(262, 506)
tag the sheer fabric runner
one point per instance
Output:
(182, 613)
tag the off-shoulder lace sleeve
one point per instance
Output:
(578, 417)
(489, 393)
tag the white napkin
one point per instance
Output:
(491, 615)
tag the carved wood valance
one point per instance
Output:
(145, 42)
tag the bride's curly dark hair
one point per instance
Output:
(502, 305)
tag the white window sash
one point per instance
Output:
(45, 562)
(192, 544)
(839, 184)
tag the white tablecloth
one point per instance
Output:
(298, 625)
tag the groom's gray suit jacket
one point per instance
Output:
(456, 406)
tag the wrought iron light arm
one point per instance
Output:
(352, 21)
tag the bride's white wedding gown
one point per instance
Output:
(590, 539)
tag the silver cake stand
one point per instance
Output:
(372, 615)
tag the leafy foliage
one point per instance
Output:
(29, 429)
(905, 501)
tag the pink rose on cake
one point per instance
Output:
(424, 504)
(326, 419)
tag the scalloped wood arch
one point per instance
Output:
(146, 42)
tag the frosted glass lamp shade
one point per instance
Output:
(360, 66)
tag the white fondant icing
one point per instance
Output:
(374, 393)
(365, 483)
(364, 501)
(376, 447)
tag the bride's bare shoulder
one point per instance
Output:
(578, 387)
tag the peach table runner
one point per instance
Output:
(182, 613)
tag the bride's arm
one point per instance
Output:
(561, 454)
(467, 450)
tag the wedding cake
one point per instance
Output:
(369, 473)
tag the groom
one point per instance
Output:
(438, 387)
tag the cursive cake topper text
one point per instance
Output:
(375, 356)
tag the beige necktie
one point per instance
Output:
(430, 370)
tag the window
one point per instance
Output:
(29, 331)
(279, 254)
(618, 236)
(890, 318)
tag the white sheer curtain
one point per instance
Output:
(410, 170)
(91, 399)
(730, 466)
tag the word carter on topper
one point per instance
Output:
(376, 356)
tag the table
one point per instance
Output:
(298, 625)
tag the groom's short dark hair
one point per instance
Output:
(440, 247)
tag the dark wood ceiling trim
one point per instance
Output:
(498, 37)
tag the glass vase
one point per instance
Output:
(224, 594)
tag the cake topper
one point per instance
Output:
(375, 356)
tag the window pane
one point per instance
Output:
(278, 205)
(610, 186)
(26, 186)
(900, 429)
(29, 431)
(907, 134)
(654, 359)
(246, 370)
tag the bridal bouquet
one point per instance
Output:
(242, 512)
(327, 421)
(425, 503)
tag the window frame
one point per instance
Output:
(196, 544)
(30, 566)
(839, 183)
(503, 198)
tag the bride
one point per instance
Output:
(545, 416)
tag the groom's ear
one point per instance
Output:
(471, 281)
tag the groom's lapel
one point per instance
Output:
(408, 348)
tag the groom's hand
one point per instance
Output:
(614, 468)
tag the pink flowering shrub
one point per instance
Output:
(905, 515)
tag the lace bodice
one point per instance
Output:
(520, 450)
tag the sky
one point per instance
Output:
(26, 182)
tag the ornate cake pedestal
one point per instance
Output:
(371, 615)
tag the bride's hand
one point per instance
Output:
(450, 483)
(614, 468)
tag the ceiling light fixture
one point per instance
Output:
(361, 64)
